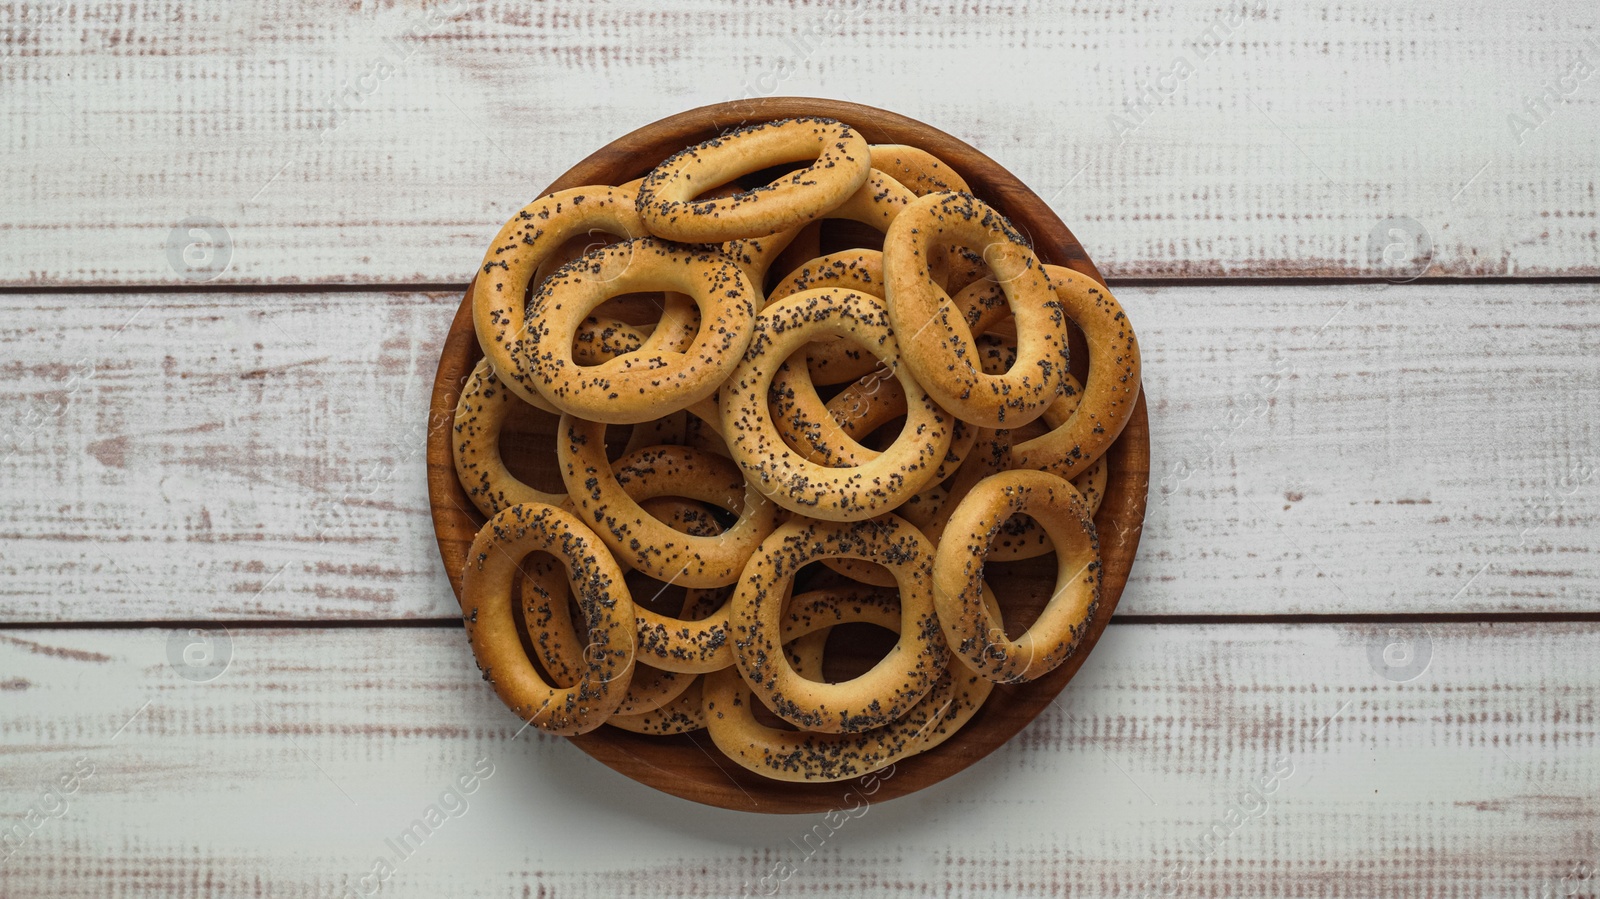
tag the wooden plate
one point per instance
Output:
(690, 765)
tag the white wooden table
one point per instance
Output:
(233, 236)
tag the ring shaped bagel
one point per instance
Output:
(983, 306)
(830, 434)
(538, 231)
(545, 600)
(850, 604)
(868, 404)
(480, 415)
(602, 597)
(974, 633)
(786, 477)
(836, 361)
(607, 497)
(643, 385)
(892, 686)
(936, 341)
(847, 605)
(1111, 388)
(667, 201)
(801, 756)
(920, 171)
(1022, 538)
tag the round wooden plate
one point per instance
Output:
(689, 765)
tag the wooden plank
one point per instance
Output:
(1371, 449)
(225, 456)
(286, 774)
(1346, 449)
(385, 142)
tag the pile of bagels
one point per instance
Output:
(893, 415)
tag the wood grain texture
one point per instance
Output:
(285, 775)
(385, 142)
(218, 456)
(1314, 450)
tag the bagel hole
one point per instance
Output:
(1000, 342)
(777, 395)
(815, 575)
(521, 595)
(853, 649)
(1032, 429)
(1077, 352)
(1005, 329)
(703, 603)
(827, 392)
(836, 363)
(965, 263)
(1019, 530)
(722, 516)
(1022, 588)
(657, 596)
(525, 441)
(853, 572)
(839, 235)
(761, 177)
(616, 438)
(884, 436)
